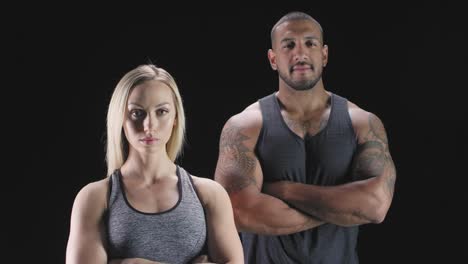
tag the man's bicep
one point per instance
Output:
(237, 167)
(373, 157)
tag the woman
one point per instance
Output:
(148, 209)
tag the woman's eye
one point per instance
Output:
(137, 113)
(161, 111)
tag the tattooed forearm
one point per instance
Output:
(235, 164)
(326, 213)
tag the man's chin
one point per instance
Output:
(303, 86)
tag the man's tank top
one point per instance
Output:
(323, 159)
(174, 236)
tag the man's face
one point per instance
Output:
(298, 53)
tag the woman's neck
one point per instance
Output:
(149, 168)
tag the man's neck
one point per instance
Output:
(303, 104)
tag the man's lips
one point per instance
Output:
(301, 67)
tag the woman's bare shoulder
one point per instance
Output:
(207, 188)
(93, 194)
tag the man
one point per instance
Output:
(304, 167)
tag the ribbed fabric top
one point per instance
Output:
(174, 236)
(322, 159)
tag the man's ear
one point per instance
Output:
(325, 55)
(272, 59)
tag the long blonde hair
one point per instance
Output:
(117, 144)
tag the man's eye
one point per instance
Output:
(311, 43)
(290, 45)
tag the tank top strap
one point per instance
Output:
(114, 187)
(339, 121)
(271, 112)
(184, 181)
(188, 188)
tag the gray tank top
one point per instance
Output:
(176, 235)
(323, 159)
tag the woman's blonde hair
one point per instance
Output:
(117, 144)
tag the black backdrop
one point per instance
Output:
(404, 63)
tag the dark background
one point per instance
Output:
(405, 63)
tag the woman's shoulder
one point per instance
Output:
(208, 189)
(93, 195)
(96, 187)
(206, 182)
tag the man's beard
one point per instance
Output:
(301, 85)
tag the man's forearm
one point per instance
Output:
(271, 216)
(345, 205)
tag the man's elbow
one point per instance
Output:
(378, 218)
(380, 212)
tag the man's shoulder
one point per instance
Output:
(250, 117)
(244, 125)
(355, 110)
(362, 119)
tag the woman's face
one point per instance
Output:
(150, 117)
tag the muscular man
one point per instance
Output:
(304, 167)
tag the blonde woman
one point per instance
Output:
(149, 209)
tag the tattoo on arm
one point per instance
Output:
(373, 156)
(370, 160)
(235, 163)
